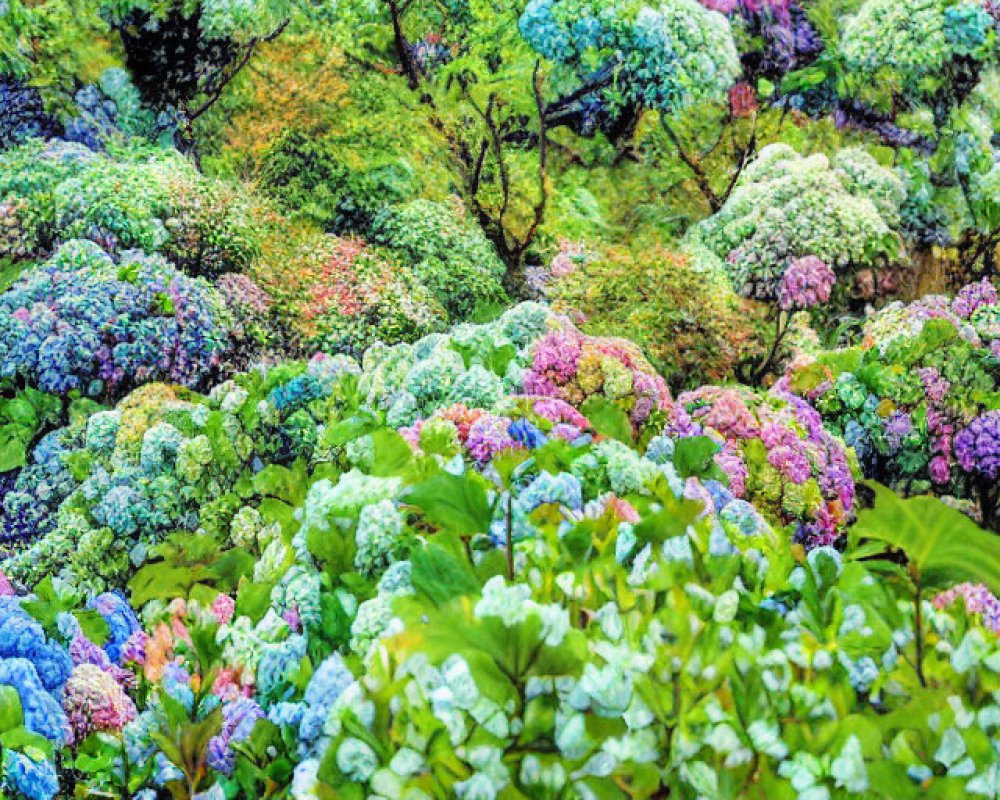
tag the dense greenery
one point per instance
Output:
(542, 399)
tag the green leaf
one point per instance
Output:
(392, 454)
(672, 520)
(93, 625)
(453, 502)
(943, 545)
(11, 712)
(441, 575)
(33, 745)
(694, 457)
(12, 454)
(253, 600)
(607, 418)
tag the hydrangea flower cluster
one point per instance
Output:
(573, 367)
(977, 446)
(38, 668)
(806, 283)
(777, 454)
(475, 365)
(83, 322)
(977, 599)
(917, 38)
(22, 112)
(94, 701)
(910, 400)
(787, 207)
(774, 38)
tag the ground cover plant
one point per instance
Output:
(535, 399)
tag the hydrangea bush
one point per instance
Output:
(107, 488)
(133, 198)
(664, 57)
(341, 296)
(684, 314)
(776, 453)
(786, 207)
(916, 401)
(448, 255)
(86, 323)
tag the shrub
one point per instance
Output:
(777, 454)
(341, 296)
(107, 488)
(82, 322)
(153, 200)
(685, 317)
(449, 256)
(665, 58)
(786, 207)
(311, 177)
(924, 374)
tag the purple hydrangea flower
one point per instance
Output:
(977, 446)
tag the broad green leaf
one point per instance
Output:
(93, 625)
(453, 502)
(694, 457)
(607, 419)
(253, 600)
(392, 454)
(943, 545)
(11, 712)
(442, 575)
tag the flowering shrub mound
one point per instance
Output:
(144, 198)
(107, 488)
(786, 207)
(684, 316)
(22, 112)
(916, 400)
(528, 350)
(583, 711)
(777, 454)
(664, 57)
(342, 296)
(82, 322)
(317, 180)
(449, 256)
(916, 39)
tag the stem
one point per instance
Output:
(765, 365)
(403, 47)
(510, 537)
(700, 177)
(920, 635)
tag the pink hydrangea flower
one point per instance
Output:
(94, 701)
(978, 600)
(973, 296)
(488, 436)
(223, 608)
(805, 283)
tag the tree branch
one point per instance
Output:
(700, 177)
